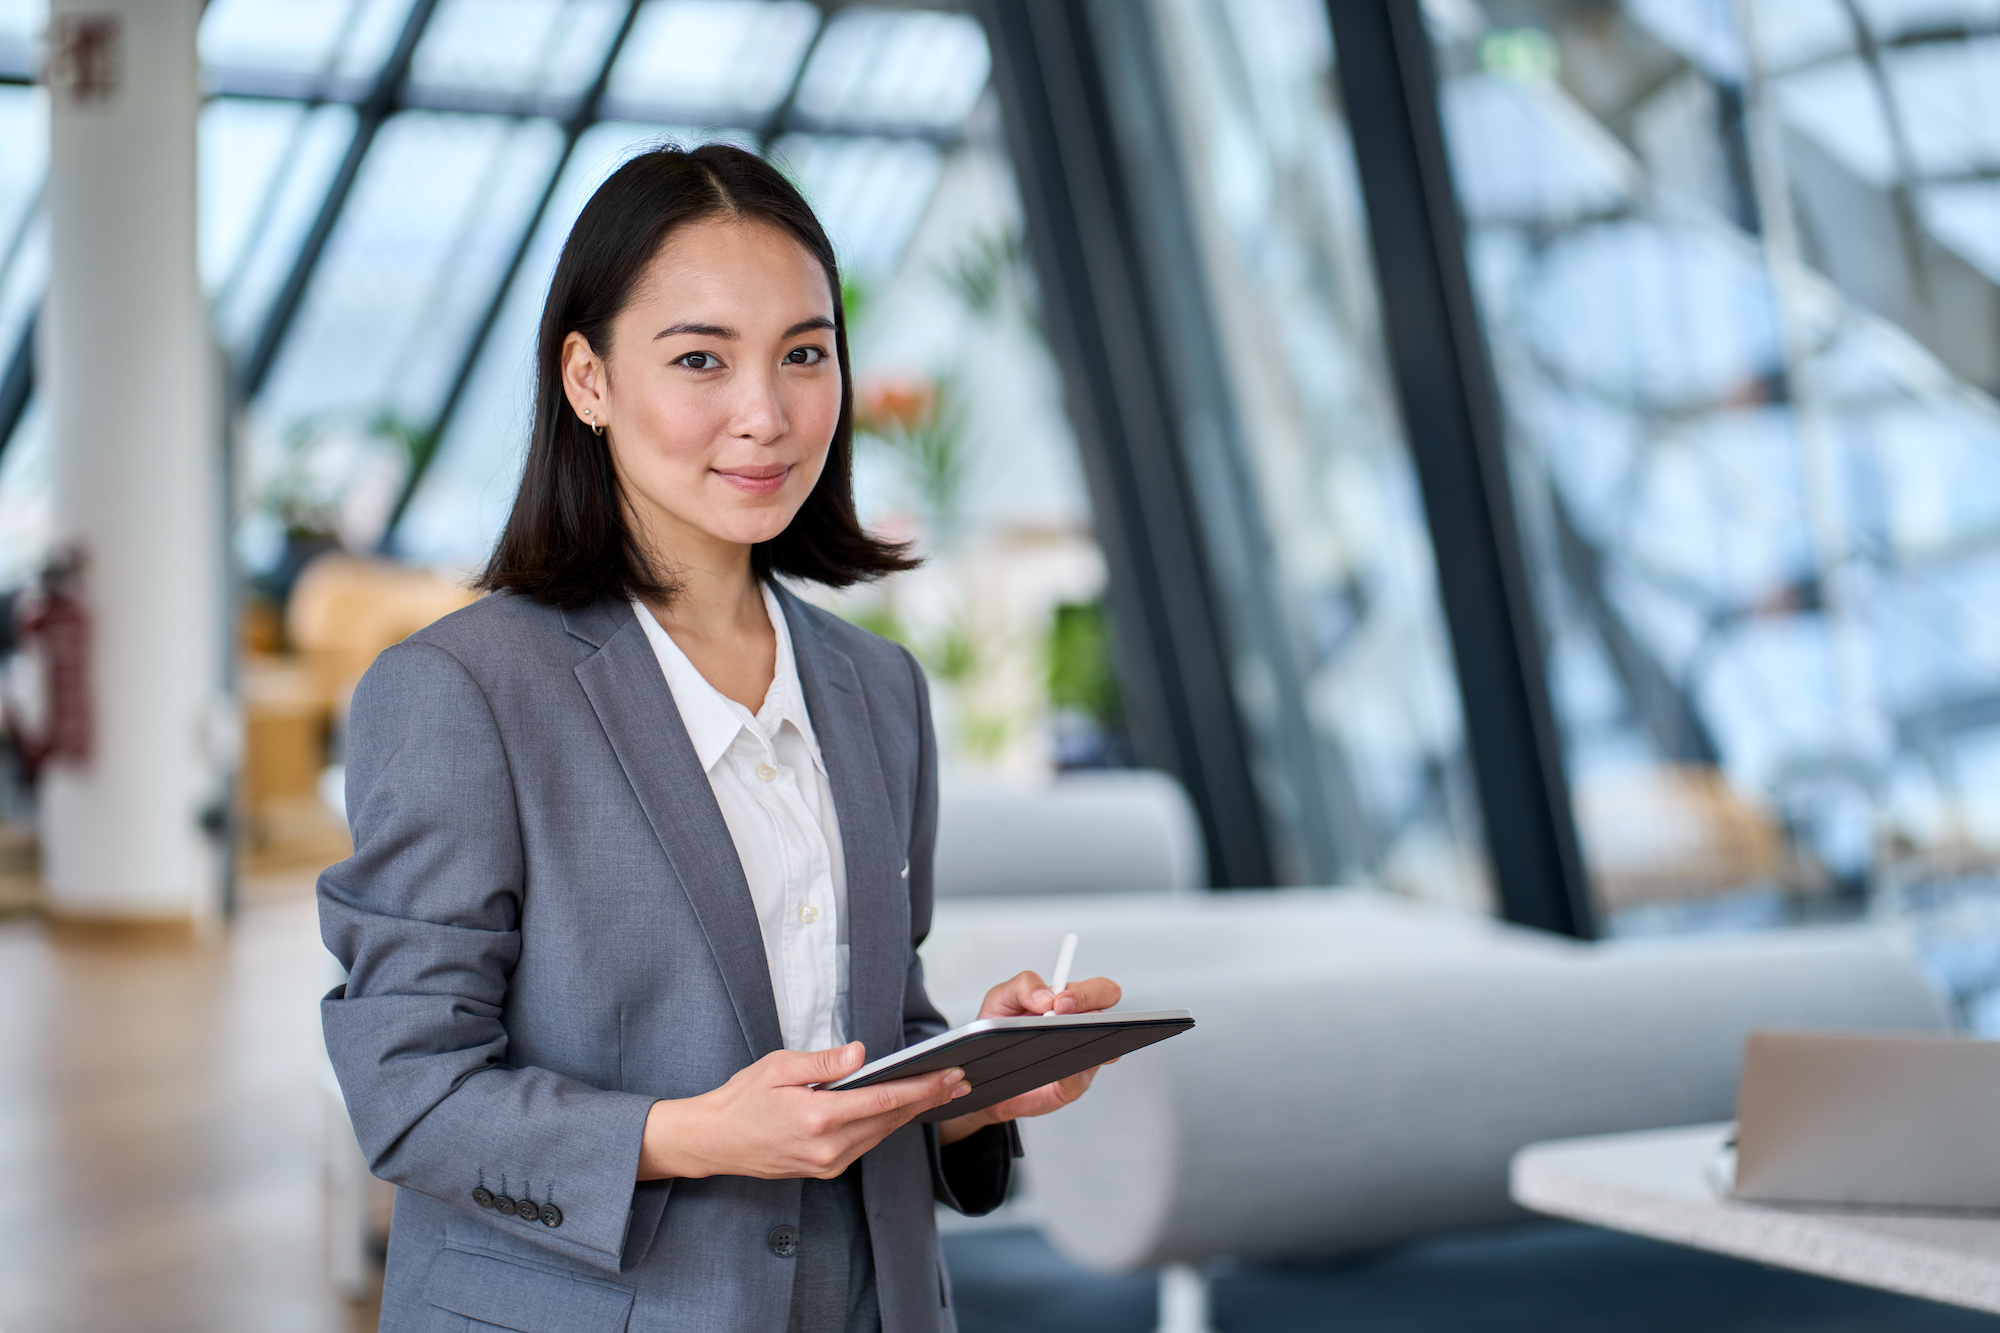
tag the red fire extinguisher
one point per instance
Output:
(55, 626)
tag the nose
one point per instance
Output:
(758, 413)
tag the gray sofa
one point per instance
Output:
(1107, 831)
(1364, 1067)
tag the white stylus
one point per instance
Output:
(1063, 960)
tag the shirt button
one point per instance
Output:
(765, 772)
(808, 914)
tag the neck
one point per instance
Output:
(714, 592)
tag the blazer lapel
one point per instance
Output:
(627, 689)
(878, 902)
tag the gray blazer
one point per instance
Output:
(546, 928)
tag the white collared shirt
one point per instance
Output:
(768, 777)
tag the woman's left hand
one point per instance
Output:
(1029, 994)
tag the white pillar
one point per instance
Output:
(128, 378)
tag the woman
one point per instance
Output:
(643, 842)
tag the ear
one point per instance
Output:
(583, 380)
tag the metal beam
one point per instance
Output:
(261, 86)
(1314, 818)
(1168, 630)
(381, 103)
(17, 382)
(1661, 706)
(780, 116)
(1451, 413)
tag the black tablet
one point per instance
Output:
(1003, 1057)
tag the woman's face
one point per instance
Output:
(720, 391)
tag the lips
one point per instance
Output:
(763, 479)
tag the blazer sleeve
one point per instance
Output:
(425, 917)
(973, 1175)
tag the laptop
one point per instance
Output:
(1869, 1119)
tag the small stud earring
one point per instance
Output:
(592, 421)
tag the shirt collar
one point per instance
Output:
(713, 720)
(786, 701)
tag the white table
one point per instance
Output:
(1657, 1184)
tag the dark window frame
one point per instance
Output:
(1113, 259)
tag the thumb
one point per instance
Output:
(824, 1066)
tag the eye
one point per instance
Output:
(805, 356)
(698, 361)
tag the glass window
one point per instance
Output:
(23, 282)
(24, 256)
(343, 39)
(248, 274)
(1383, 789)
(904, 67)
(1737, 269)
(963, 447)
(718, 62)
(21, 23)
(243, 146)
(27, 510)
(435, 216)
(24, 125)
(551, 47)
(1966, 218)
(868, 193)
(436, 212)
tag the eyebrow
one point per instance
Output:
(724, 331)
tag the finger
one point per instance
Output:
(928, 1091)
(878, 1127)
(919, 1094)
(1054, 1096)
(789, 1068)
(860, 1136)
(1088, 996)
(1016, 996)
(1076, 1085)
(844, 1125)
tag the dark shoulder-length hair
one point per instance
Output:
(567, 542)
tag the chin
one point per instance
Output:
(749, 534)
(762, 522)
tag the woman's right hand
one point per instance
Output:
(768, 1121)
